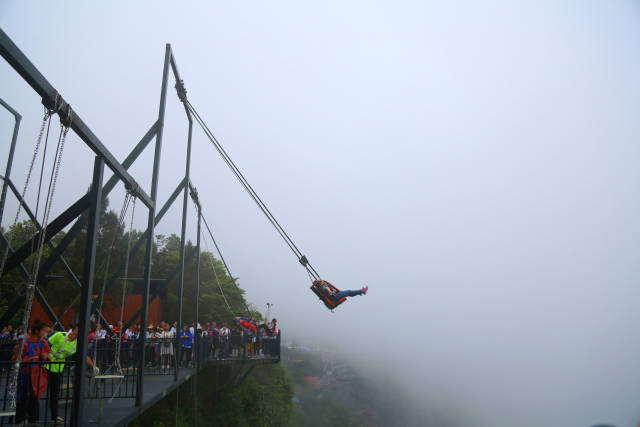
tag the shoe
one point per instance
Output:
(364, 290)
(59, 420)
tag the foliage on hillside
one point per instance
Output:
(263, 399)
(111, 250)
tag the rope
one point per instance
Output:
(44, 157)
(121, 218)
(31, 285)
(123, 211)
(254, 195)
(50, 191)
(115, 366)
(126, 274)
(45, 119)
(225, 264)
(215, 275)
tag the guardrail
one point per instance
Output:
(117, 378)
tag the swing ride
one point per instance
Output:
(314, 276)
(86, 211)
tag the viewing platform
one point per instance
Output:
(110, 398)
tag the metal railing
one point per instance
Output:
(43, 386)
(237, 346)
(43, 394)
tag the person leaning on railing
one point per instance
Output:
(63, 347)
(225, 340)
(186, 343)
(32, 378)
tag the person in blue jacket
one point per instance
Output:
(186, 342)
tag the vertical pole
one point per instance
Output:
(151, 227)
(87, 291)
(196, 307)
(278, 343)
(182, 242)
(196, 312)
(12, 149)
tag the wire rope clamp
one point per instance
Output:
(182, 92)
(68, 118)
(133, 189)
(193, 192)
(53, 105)
(304, 261)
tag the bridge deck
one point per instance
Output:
(121, 412)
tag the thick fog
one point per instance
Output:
(476, 164)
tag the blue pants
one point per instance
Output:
(346, 293)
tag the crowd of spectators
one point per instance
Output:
(221, 341)
(43, 345)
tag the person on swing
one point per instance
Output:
(336, 296)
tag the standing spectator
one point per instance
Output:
(100, 332)
(262, 334)
(214, 340)
(90, 339)
(157, 337)
(225, 340)
(99, 337)
(185, 342)
(166, 347)
(132, 337)
(274, 332)
(6, 348)
(32, 379)
(149, 354)
(63, 346)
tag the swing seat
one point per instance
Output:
(109, 377)
(7, 413)
(316, 287)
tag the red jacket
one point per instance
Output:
(250, 326)
(37, 373)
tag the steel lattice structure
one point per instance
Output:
(85, 212)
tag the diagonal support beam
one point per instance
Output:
(156, 291)
(19, 300)
(53, 228)
(80, 223)
(30, 214)
(136, 247)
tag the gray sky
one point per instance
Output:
(474, 164)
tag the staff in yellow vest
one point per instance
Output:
(63, 346)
